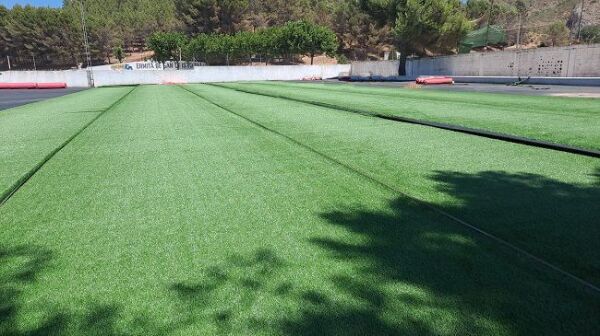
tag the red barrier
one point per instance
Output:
(51, 85)
(17, 85)
(435, 80)
(33, 85)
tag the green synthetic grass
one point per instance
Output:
(169, 215)
(569, 121)
(545, 201)
(28, 133)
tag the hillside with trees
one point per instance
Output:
(51, 38)
(540, 22)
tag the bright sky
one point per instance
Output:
(39, 3)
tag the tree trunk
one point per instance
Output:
(312, 58)
(402, 67)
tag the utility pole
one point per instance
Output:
(86, 46)
(85, 36)
(519, 31)
(487, 31)
(580, 21)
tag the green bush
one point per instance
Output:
(590, 34)
(119, 53)
(295, 37)
(167, 46)
(342, 59)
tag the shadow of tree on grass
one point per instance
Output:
(413, 273)
(21, 267)
(552, 219)
(487, 288)
(225, 294)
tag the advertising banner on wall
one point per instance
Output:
(150, 65)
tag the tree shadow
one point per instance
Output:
(554, 220)
(21, 267)
(414, 272)
(224, 295)
(489, 289)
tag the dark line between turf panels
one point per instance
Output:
(23, 180)
(443, 126)
(330, 88)
(416, 200)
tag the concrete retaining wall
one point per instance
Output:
(73, 78)
(78, 78)
(573, 61)
(375, 68)
(219, 74)
(575, 81)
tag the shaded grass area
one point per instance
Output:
(569, 121)
(169, 215)
(29, 133)
(543, 201)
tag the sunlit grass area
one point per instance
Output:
(197, 209)
(568, 121)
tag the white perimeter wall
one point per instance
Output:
(73, 78)
(375, 68)
(205, 74)
(573, 61)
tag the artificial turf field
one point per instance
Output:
(199, 209)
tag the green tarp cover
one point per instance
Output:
(488, 35)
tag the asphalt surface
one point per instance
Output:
(13, 98)
(525, 89)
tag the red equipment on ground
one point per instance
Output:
(431, 80)
(17, 85)
(51, 85)
(33, 85)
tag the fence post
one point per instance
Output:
(516, 63)
(90, 78)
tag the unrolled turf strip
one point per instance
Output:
(569, 121)
(29, 133)
(543, 201)
(170, 216)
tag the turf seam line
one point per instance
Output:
(271, 84)
(448, 127)
(416, 200)
(5, 196)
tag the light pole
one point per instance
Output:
(580, 21)
(487, 31)
(86, 45)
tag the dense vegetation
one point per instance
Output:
(52, 37)
(293, 38)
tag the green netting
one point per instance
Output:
(481, 37)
